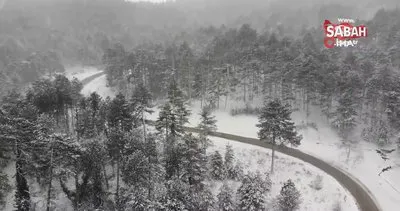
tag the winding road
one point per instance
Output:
(364, 198)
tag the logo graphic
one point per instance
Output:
(343, 34)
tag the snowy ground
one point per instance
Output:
(98, 85)
(80, 72)
(245, 126)
(324, 143)
(365, 164)
(255, 158)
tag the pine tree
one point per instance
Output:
(229, 162)
(119, 114)
(194, 161)
(207, 121)
(345, 120)
(115, 60)
(155, 171)
(116, 145)
(276, 127)
(225, 198)
(177, 195)
(174, 156)
(217, 166)
(238, 171)
(173, 114)
(135, 170)
(42, 95)
(63, 96)
(134, 198)
(18, 134)
(251, 194)
(201, 199)
(289, 198)
(176, 99)
(4, 188)
(84, 162)
(140, 101)
(207, 125)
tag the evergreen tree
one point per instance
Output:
(251, 194)
(207, 122)
(115, 60)
(84, 163)
(194, 161)
(200, 199)
(135, 170)
(134, 198)
(177, 195)
(225, 198)
(18, 134)
(63, 99)
(155, 169)
(166, 122)
(173, 114)
(174, 156)
(43, 96)
(176, 99)
(116, 145)
(119, 116)
(217, 166)
(229, 162)
(345, 120)
(141, 100)
(4, 188)
(276, 127)
(289, 198)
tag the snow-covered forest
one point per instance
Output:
(97, 95)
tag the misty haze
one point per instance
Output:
(199, 105)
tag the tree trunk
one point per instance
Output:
(105, 176)
(273, 157)
(50, 180)
(227, 86)
(273, 154)
(117, 191)
(244, 92)
(66, 112)
(77, 190)
(22, 193)
(348, 153)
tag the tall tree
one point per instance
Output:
(217, 166)
(18, 134)
(289, 198)
(225, 198)
(276, 127)
(173, 114)
(345, 119)
(251, 193)
(207, 125)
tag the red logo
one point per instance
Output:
(343, 34)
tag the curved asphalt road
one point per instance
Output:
(365, 199)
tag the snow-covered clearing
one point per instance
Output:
(255, 159)
(98, 85)
(80, 72)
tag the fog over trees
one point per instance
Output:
(104, 154)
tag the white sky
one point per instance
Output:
(146, 0)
